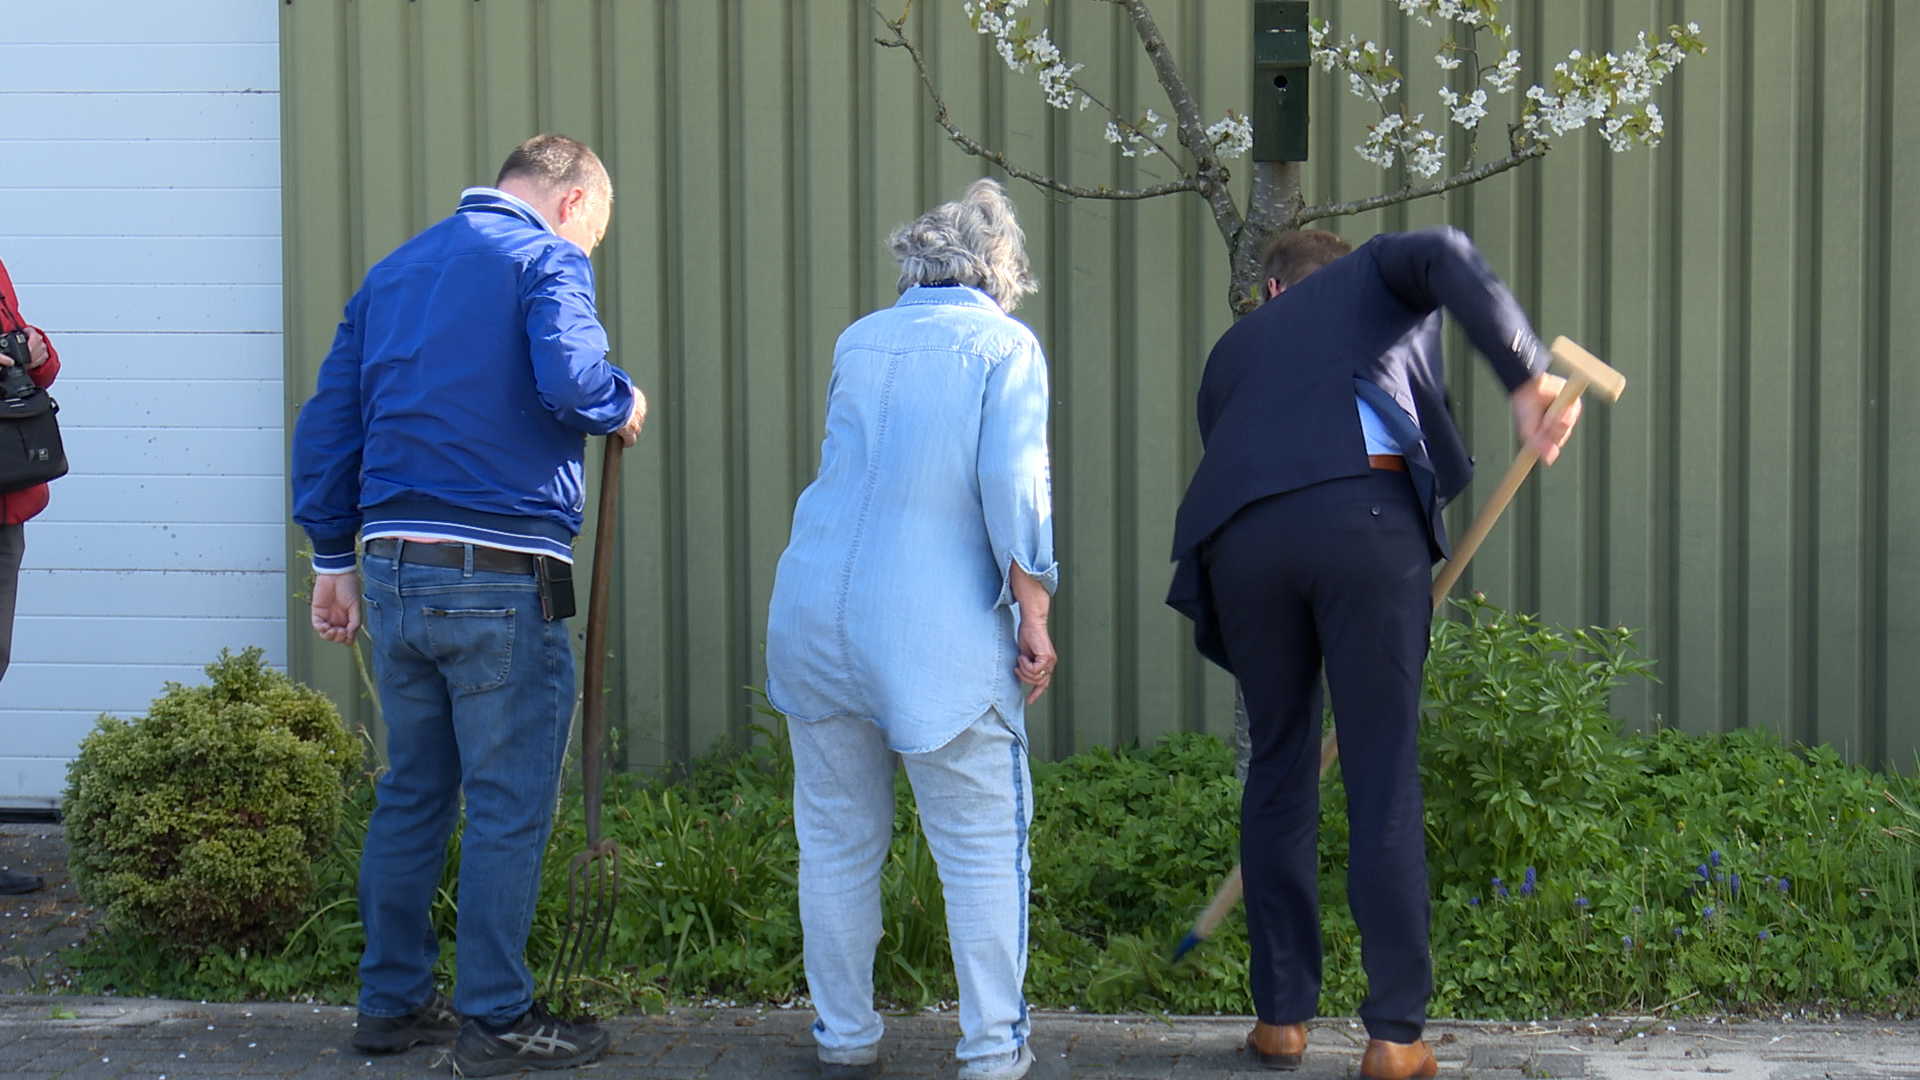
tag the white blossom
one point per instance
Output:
(1136, 139)
(1447, 61)
(1505, 72)
(1025, 52)
(1613, 89)
(1423, 150)
(1426, 11)
(1231, 136)
(1469, 115)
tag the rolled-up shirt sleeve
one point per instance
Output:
(1015, 477)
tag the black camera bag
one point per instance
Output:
(30, 449)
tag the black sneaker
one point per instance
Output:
(538, 1040)
(434, 1022)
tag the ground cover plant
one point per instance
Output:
(1575, 869)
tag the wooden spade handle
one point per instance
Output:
(1496, 503)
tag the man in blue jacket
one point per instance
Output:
(1306, 541)
(447, 433)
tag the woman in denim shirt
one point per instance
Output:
(909, 620)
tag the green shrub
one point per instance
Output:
(1634, 871)
(1519, 756)
(198, 824)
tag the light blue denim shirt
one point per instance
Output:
(892, 602)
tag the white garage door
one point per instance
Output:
(140, 220)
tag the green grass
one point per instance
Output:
(1723, 873)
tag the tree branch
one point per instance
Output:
(1193, 134)
(972, 146)
(1410, 192)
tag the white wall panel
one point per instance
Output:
(120, 687)
(35, 774)
(256, 547)
(161, 115)
(174, 163)
(147, 260)
(154, 263)
(134, 593)
(176, 451)
(157, 401)
(229, 308)
(93, 69)
(141, 356)
(159, 639)
(137, 211)
(140, 22)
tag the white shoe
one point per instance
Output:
(1011, 1066)
(859, 1055)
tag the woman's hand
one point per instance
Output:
(1037, 659)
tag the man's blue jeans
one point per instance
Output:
(477, 693)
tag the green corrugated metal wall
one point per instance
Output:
(1746, 502)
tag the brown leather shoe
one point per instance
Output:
(1278, 1046)
(1397, 1061)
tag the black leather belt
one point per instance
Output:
(491, 560)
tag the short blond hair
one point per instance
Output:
(973, 240)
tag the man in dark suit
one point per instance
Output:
(1307, 540)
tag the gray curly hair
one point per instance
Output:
(974, 240)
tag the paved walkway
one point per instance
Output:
(74, 1038)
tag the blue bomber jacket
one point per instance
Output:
(457, 397)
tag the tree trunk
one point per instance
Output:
(1272, 208)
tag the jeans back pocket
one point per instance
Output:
(473, 647)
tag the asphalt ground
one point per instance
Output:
(45, 1036)
(72, 1038)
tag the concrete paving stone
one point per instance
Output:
(688, 1055)
(1558, 1066)
(212, 1066)
(735, 1065)
(1499, 1057)
(99, 1070)
(56, 1059)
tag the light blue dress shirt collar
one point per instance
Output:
(965, 295)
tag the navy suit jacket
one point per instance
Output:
(1276, 403)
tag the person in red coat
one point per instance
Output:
(16, 507)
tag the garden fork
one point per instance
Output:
(1585, 372)
(593, 878)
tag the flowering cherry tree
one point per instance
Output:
(1479, 71)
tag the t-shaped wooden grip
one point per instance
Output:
(1578, 361)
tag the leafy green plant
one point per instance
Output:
(198, 823)
(1632, 871)
(1519, 750)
